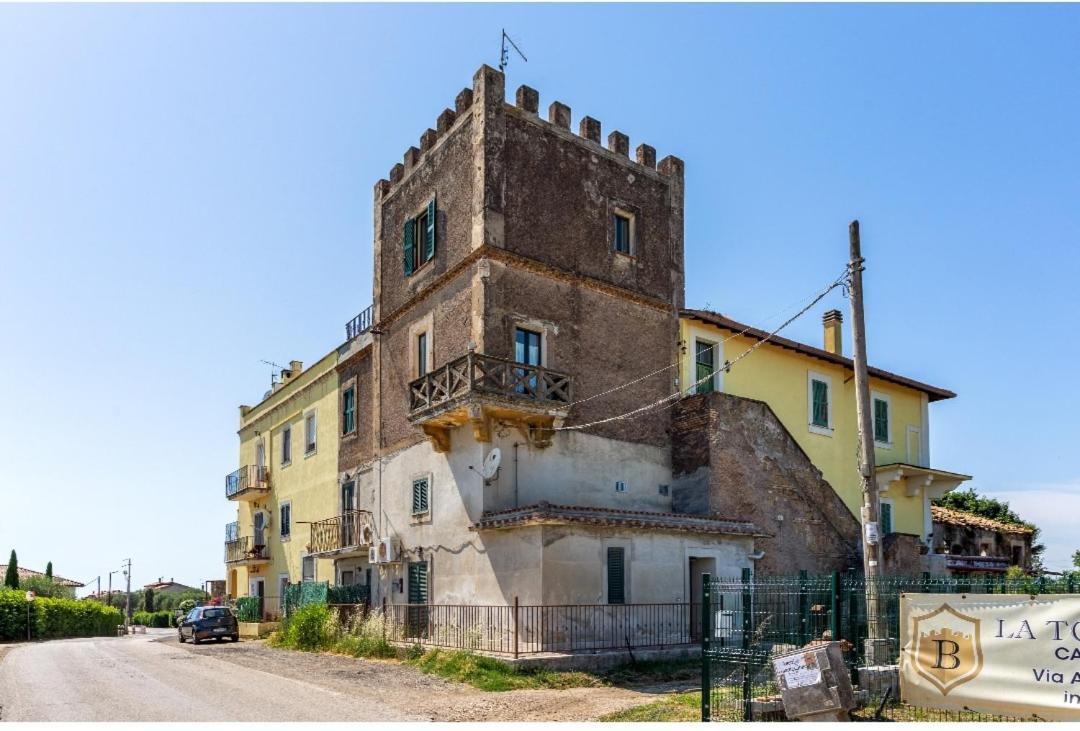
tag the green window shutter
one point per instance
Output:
(418, 582)
(429, 241)
(820, 416)
(616, 575)
(886, 518)
(410, 245)
(881, 421)
(419, 496)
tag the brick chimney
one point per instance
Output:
(834, 341)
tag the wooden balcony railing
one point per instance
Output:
(352, 529)
(245, 549)
(475, 373)
(251, 477)
(359, 324)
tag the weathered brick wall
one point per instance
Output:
(732, 457)
(357, 448)
(900, 554)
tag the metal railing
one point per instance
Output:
(359, 324)
(750, 619)
(244, 548)
(486, 374)
(520, 629)
(352, 529)
(249, 477)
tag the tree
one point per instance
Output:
(11, 578)
(48, 571)
(1076, 559)
(148, 600)
(970, 501)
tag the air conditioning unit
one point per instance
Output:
(373, 555)
(388, 550)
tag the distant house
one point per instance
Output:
(161, 586)
(965, 543)
(25, 573)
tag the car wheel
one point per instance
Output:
(235, 638)
(181, 636)
(194, 638)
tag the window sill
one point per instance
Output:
(312, 453)
(883, 445)
(625, 254)
(420, 518)
(286, 539)
(349, 435)
(825, 431)
(286, 464)
(421, 269)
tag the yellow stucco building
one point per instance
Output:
(286, 479)
(812, 392)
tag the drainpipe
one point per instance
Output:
(516, 474)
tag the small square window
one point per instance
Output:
(622, 227)
(664, 489)
(620, 486)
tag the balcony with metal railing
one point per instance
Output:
(359, 324)
(250, 482)
(480, 389)
(350, 533)
(244, 551)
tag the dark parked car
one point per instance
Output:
(204, 623)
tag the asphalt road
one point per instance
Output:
(137, 679)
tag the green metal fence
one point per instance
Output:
(304, 593)
(750, 619)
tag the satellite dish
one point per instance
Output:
(491, 464)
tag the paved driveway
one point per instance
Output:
(137, 679)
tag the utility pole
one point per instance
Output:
(109, 600)
(127, 602)
(871, 537)
(99, 587)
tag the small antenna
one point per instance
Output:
(504, 52)
(272, 366)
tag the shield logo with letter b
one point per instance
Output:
(947, 648)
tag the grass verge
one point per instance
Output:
(487, 673)
(674, 707)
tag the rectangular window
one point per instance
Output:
(616, 575)
(420, 496)
(621, 229)
(286, 520)
(286, 444)
(307, 568)
(819, 397)
(231, 531)
(704, 361)
(526, 350)
(886, 519)
(421, 354)
(620, 486)
(881, 420)
(309, 433)
(348, 410)
(419, 239)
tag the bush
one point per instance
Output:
(46, 587)
(153, 619)
(54, 617)
(311, 628)
(366, 637)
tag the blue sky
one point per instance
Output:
(182, 187)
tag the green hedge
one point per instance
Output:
(153, 619)
(52, 618)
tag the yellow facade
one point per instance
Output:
(780, 376)
(307, 483)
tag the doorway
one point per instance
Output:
(699, 566)
(257, 588)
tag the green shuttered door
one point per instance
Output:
(616, 575)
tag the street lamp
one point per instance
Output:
(29, 601)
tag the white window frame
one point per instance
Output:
(812, 376)
(718, 368)
(281, 523)
(877, 396)
(286, 438)
(313, 416)
(314, 567)
(892, 512)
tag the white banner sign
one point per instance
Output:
(996, 653)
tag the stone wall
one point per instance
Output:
(358, 447)
(732, 457)
(900, 554)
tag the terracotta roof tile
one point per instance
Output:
(546, 513)
(28, 573)
(959, 517)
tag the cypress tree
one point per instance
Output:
(48, 571)
(11, 579)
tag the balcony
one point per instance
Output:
(243, 551)
(247, 483)
(992, 564)
(359, 324)
(348, 534)
(481, 389)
